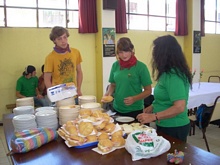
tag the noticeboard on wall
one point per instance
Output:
(108, 35)
(196, 42)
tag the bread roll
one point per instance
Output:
(118, 141)
(85, 128)
(99, 127)
(97, 114)
(71, 129)
(110, 127)
(85, 112)
(77, 138)
(103, 135)
(107, 99)
(91, 138)
(105, 145)
(118, 133)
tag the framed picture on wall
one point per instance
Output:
(108, 35)
(196, 42)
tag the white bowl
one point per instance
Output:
(68, 101)
(91, 105)
(44, 108)
(23, 110)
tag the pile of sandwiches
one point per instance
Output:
(92, 126)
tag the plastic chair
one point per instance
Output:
(214, 78)
(206, 117)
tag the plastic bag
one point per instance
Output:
(146, 144)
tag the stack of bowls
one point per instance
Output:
(86, 99)
(68, 113)
(27, 101)
(47, 119)
(64, 102)
(91, 106)
(23, 122)
(45, 108)
(23, 110)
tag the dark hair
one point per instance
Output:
(58, 31)
(42, 68)
(29, 69)
(167, 55)
(124, 44)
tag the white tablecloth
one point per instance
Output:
(205, 93)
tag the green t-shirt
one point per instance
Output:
(170, 88)
(27, 87)
(129, 82)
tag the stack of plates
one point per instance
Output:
(64, 102)
(23, 122)
(91, 106)
(86, 99)
(45, 108)
(23, 110)
(27, 101)
(47, 119)
(67, 113)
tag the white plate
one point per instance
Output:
(24, 117)
(124, 119)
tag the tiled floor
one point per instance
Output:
(213, 137)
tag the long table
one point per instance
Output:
(57, 153)
(203, 93)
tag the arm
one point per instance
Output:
(19, 95)
(111, 89)
(47, 79)
(39, 96)
(41, 84)
(147, 92)
(79, 79)
(177, 108)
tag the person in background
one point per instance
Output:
(63, 64)
(129, 81)
(169, 108)
(41, 86)
(27, 86)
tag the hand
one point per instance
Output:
(39, 96)
(79, 93)
(128, 100)
(146, 118)
(148, 109)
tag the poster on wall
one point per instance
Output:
(108, 35)
(197, 42)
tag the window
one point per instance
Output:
(152, 15)
(39, 13)
(212, 16)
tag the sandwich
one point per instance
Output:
(109, 127)
(85, 112)
(118, 141)
(105, 145)
(106, 99)
(85, 128)
(91, 138)
(103, 135)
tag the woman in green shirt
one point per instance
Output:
(169, 108)
(129, 80)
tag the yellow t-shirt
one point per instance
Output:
(63, 66)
